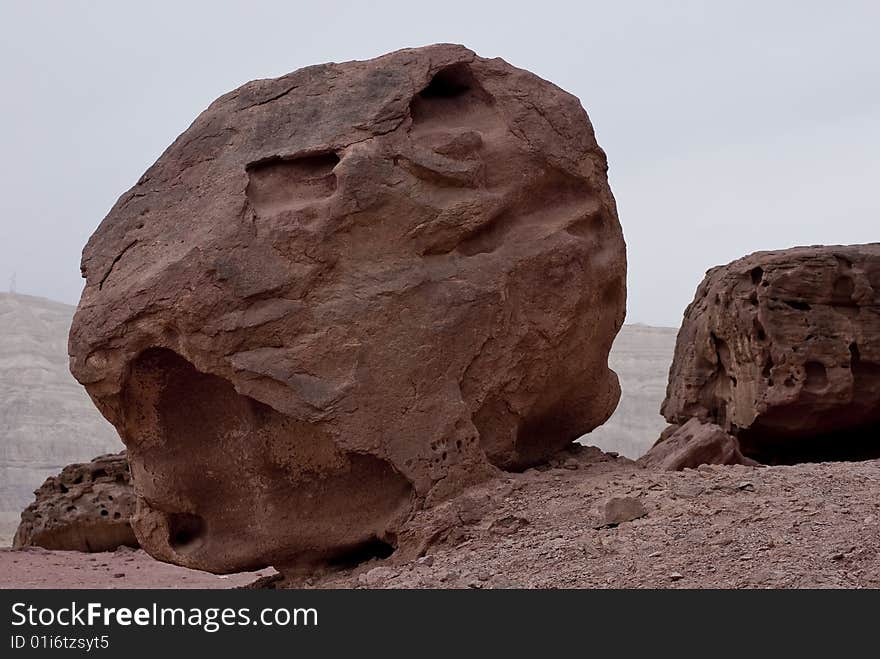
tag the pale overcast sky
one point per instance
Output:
(730, 126)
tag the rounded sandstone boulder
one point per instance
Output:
(346, 293)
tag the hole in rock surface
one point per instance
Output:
(184, 530)
(279, 184)
(361, 553)
(450, 82)
(816, 377)
(453, 98)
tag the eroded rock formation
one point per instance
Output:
(346, 293)
(86, 507)
(782, 350)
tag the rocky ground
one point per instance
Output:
(802, 526)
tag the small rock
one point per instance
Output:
(623, 509)
(837, 557)
(747, 486)
(376, 576)
(507, 525)
(655, 554)
(676, 576)
(119, 575)
(571, 463)
(427, 561)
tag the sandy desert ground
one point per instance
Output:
(125, 568)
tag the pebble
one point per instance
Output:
(676, 576)
(376, 576)
(622, 509)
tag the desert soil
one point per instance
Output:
(801, 526)
(125, 568)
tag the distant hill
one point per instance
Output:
(46, 418)
(641, 356)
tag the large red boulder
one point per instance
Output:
(348, 292)
(782, 350)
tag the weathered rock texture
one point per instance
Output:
(46, 419)
(346, 292)
(782, 350)
(86, 507)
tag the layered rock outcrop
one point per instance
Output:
(782, 350)
(86, 507)
(346, 293)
